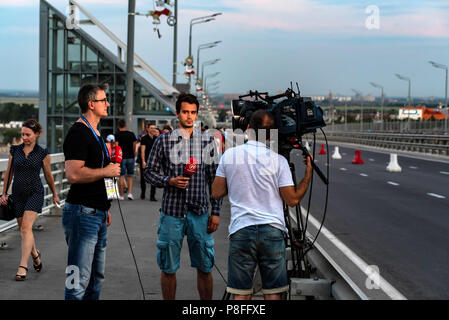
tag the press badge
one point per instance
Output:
(111, 188)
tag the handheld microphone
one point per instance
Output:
(190, 167)
(116, 154)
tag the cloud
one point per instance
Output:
(35, 3)
(335, 18)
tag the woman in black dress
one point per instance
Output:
(27, 190)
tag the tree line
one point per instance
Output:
(11, 111)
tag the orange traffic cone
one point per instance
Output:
(322, 151)
(357, 158)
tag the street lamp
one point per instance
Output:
(198, 21)
(207, 63)
(361, 108)
(442, 66)
(381, 104)
(211, 85)
(408, 99)
(209, 76)
(203, 46)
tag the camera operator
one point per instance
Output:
(256, 187)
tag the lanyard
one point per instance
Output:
(102, 145)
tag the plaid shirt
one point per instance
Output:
(170, 153)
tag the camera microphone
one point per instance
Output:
(190, 168)
(116, 154)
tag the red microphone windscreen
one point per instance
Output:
(116, 154)
(191, 167)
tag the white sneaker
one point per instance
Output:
(130, 196)
(121, 198)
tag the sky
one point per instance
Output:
(324, 45)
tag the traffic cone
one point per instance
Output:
(393, 166)
(322, 151)
(357, 158)
(336, 154)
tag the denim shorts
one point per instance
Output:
(261, 245)
(171, 233)
(127, 167)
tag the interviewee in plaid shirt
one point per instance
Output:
(170, 153)
(185, 200)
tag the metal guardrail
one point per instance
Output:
(412, 127)
(433, 144)
(61, 184)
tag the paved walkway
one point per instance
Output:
(121, 282)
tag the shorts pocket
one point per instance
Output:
(162, 255)
(210, 254)
(274, 234)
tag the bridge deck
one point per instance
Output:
(121, 281)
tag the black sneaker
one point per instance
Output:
(142, 196)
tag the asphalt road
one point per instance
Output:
(397, 221)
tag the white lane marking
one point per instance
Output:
(444, 172)
(363, 266)
(436, 195)
(412, 167)
(393, 183)
(371, 159)
(343, 169)
(364, 175)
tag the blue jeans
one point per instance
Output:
(86, 236)
(261, 245)
(171, 233)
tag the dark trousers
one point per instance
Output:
(143, 185)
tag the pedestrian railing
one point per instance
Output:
(61, 184)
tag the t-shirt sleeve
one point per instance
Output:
(73, 148)
(285, 175)
(221, 167)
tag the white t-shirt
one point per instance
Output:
(254, 175)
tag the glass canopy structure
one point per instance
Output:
(69, 58)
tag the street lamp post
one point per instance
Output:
(381, 104)
(207, 63)
(198, 21)
(408, 99)
(210, 76)
(175, 45)
(200, 47)
(361, 108)
(130, 65)
(442, 66)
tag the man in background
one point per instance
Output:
(127, 141)
(146, 142)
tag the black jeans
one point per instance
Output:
(143, 185)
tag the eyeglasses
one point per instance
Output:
(105, 100)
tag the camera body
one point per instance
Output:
(294, 116)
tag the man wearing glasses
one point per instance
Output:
(86, 215)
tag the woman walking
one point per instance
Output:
(26, 160)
